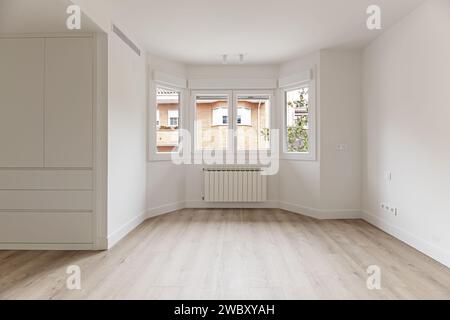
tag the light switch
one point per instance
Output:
(388, 176)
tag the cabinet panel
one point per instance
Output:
(45, 228)
(46, 200)
(69, 103)
(21, 102)
(37, 179)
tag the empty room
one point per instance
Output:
(209, 150)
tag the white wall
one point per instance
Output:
(406, 120)
(127, 125)
(340, 124)
(233, 72)
(165, 180)
(330, 186)
(127, 138)
(299, 181)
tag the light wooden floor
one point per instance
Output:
(232, 254)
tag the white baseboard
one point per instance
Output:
(431, 250)
(321, 214)
(154, 212)
(118, 235)
(123, 231)
(210, 205)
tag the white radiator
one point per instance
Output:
(234, 185)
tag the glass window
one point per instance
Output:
(297, 120)
(253, 122)
(211, 122)
(167, 120)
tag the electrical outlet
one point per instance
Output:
(389, 209)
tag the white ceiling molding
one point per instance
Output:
(241, 83)
(169, 80)
(296, 79)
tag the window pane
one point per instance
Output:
(167, 120)
(211, 121)
(297, 108)
(253, 123)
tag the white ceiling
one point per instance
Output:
(200, 31)
(266, 31)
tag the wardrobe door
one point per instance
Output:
(69, 103)
(21, 103)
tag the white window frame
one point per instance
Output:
(312, 123)
(154, 155)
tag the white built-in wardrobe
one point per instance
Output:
(49, 173)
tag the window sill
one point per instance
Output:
(298, 156)
(160, 157)
(306, 157)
